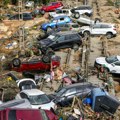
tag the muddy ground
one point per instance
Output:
(106, 13)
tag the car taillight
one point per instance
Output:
(70, 28)
(33, 18)
(114, 28)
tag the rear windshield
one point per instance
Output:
(111, 59)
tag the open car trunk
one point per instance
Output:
(26, 83)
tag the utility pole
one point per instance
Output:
(21, 28)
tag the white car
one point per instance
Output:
(100, 29)
(37, 99)
(84, 20)
(83, 9)
(111, 63)
(60, 12)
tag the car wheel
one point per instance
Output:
(97, 20)
(42, 12)
(49, 29)
(46, 58)
(50, 52)
(86, 34)
(109, 35)
(77, 15)
(75, 47)
(16, 62)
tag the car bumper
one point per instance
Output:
(97, 65)
(114, 35)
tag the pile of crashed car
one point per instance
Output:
(59, 33)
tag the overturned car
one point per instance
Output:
(36, 63)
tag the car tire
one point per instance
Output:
(88, 14)
(16, 62)
(42, 12)
(46, 58)
(50, 52)
(76, 15)
(86, 34)
(49, 29)
(97, 20)
(109, 35)
(75, 47)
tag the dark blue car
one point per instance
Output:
(55, 22)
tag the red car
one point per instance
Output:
(51, 7)
(37, 63)
(27, 114)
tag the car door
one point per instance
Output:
(68, 96)
(73, 39)
(104, 29)
(82, 91)
(59, 43)
(26, 16)
(115, 67)
(96, 29)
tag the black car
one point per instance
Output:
(24, 16)
(65, 95)
(67, 39)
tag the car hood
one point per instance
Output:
(44, 25)
(45, 42)
(47, 106)
(101, 60)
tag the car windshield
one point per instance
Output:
(39, 99)
(60, 92)
(51, 37)
(111, 59)
(54, 38)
